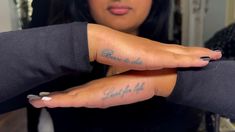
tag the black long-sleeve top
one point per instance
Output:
(32, 57)
(35, 56)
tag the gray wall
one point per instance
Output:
(8, 16)
(215, 18)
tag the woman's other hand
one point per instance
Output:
(126, 88)
(119, 49)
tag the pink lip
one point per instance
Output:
(118, 9)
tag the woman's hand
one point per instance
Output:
(118, 49)
(126, 88)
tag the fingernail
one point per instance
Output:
(44, 93)
(206, 58)
(33, 97)
(46, 98)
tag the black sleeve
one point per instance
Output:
(40, 17)
(224, 40)
(31, 57)
(211, 88)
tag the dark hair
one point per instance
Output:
(155, 26)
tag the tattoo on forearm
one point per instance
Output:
(112, 93)
(107, 53)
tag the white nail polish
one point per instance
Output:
(46, 98)
(44, 93)
(33, 97)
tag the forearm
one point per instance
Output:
(210, 88)
(32, 57)
(126, 88)
(135, 86)
(141, 85)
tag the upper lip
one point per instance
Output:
(118, 6)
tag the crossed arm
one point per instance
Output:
(32, 57)
(131, 52)
(125, 88)
(210, 88)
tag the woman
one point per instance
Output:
(144, 18)
(104, 56)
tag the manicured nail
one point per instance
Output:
(46, 98)
(44, 93)
(33, 97)
(206, 58)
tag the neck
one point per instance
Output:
(133, 32)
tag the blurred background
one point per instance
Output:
(192, 22)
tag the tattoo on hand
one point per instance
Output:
(112, 93)
(107, 53)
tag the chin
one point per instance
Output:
(122, 28)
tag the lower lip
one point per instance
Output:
(119, 11)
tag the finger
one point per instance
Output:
(197, 51)
(172, 60)
(184, 61)
(58, 99)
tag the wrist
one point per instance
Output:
(99, 37)
(93, 40)
(163, 82)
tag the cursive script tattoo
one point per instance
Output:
(107, 53)
(112, 93)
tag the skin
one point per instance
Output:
(123, 46)
(119, 51)
(129, 22)
(116, 90)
